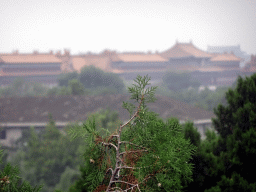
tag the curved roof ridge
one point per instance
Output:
(225, 57)
(185, 50)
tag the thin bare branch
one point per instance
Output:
(132, 188)
(119, 161)
(114, 188)
(110, 170)
(111, 144)
(127, 167)
(135, 114)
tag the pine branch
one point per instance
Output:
(118, 167)
(110, 144)
(127, 142)
(133, 151)
(130, 158)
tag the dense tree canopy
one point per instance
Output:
(76, 87)
(90, 80)
(44, 157)
(66, 77)
(92, 77)
(21, 88)
(226, 161)
(236, 124)
(11, 181)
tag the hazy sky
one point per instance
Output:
(125, 25)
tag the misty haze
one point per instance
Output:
(64, 64)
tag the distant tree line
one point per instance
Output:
(181, 87)
(90, 81)
(94, 81)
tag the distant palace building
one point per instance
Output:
(220, 69)
(185, 56)
(219, 66)
(35, 67)
(250, 67)
(228, 49)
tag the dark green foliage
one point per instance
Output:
(20, 88)
(235, 183)
(191, 133)
(106, 119)
(90, 81)
(66, 77)
(51, 132)
(53, 91)
(92, 77)
(3, 157)
(76, 87)
(46, 156)
(167, 143)
(11, 181)
(241, 109)
(242, 153)
(232, 152)
(176, 81)
(59, 91)
(68, 177)
(207, 166)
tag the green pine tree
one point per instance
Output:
(236, 124)
(144, 154)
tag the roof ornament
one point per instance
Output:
(35, 52)
(66, 52)
(16, 52)
(190, 42)
(58, 53)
